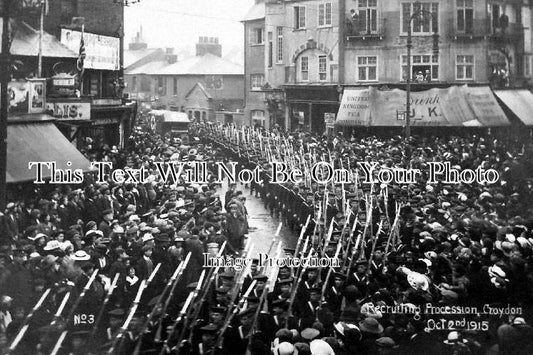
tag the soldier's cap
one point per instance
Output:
(312, 269)
(79, 334)
(280, 303)
(287, 281)
(192, 285)
(252, 299)
(262, 278)
(227, 276)
(217, 309)
(314, 290)
(255, 261)
(247, 312)
(289, 250)
(361, 262)
(212, 245)
(222, 290)
(339, 275)
(117, 313)
(154, 301)
(210, 328)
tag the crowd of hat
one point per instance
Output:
(55, 237)
(460, 245)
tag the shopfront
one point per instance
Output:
(310, 107)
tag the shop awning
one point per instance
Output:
(39, 142)
(456, 106)
(26, 42)
(520, 102)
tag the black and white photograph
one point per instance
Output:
(266, 177)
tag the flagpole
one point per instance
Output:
(41, 34)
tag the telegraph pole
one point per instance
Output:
(5, 75)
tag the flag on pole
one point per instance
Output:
(81, 56)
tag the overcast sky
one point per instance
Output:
(179, 23)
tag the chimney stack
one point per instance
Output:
(208, 45)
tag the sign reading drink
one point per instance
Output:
(102, 52)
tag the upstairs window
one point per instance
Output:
(304, 68)
(465, 16)
(299, 17)
(257, 36)
(367, 16)
(322, 68)
(324, 14)
(423, 24)
(465, 67)
(367, 68)
(256, 81)
(279, 58)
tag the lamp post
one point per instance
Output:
(418, 12)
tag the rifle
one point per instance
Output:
(295, 287)
(172, 282)
(184, 313)
(210, 278)
(231, 312)
(82, 294)
(25, 324)
(131, 313)
(59, 342)
(261, 301)
(324, 286)
(144, 284)
(374, 242)
(104, 304)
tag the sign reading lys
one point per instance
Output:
(69, 110)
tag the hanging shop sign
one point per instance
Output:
(101, 52)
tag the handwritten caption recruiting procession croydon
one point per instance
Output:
(198, 172)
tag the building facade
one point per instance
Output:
(464, 42)
(312, 50)
(201, 85)
(107, 118)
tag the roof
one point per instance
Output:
(256, 12)
(26, 42)
(207, 64)
(148, 68)
(133, 56)
(202, 89)
(171, 116)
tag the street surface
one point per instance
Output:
(263, 227)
